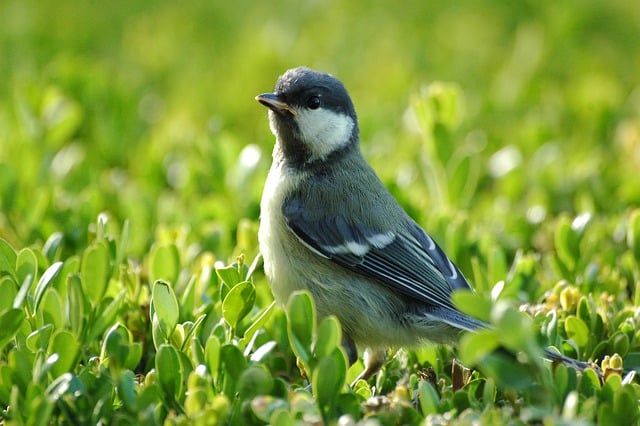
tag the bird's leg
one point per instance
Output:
(374, 359)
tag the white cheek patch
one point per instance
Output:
(324, 131)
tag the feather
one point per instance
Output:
(407, 260)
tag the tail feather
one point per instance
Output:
(554, 356)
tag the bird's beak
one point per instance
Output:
(272, 102)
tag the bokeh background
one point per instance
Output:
(144, 110)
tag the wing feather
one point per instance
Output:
(408, 260)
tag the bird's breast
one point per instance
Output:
(279, 247)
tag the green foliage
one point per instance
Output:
(132, 158)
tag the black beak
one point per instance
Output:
(272, 102)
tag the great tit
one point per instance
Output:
(329, 225)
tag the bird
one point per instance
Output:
(330, 226)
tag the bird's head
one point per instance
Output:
(311, 115)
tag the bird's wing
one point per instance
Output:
(409, 262)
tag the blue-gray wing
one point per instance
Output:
(408, 261)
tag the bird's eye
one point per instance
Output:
(313, 102)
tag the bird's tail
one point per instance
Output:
(464, 322)
(554, 356)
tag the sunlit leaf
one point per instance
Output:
(428, 397)
(329, 337)
(238, 303)
(53, 246)
(26, 264)
(165, 306)
(164, 263)
(96, 270)
(577, 330)
(107, 312)
(301, 324)
(169, 370)
(254, 381)
(66, 346)
(229, 275)
(212, 354)
(328, 377)
(45, 281)
(10, 322)
(8, 260)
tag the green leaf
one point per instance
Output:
(507, 371)
(67, 347)
(625, 404)
(301, 325)
(122, 247)
(115, 346)
(328, 378)
(10, 322)
(329, 337)
(497, 264)
(514, 329)
(633, 233)
(577, 330)
(96, 271)
(190, 331)
(25, 286)
(164, 263)
(611, 385)
(26, 264)
(165, 306)
(8, 259)
(126, 386)
(134, 356)
(489, 391)
(475, 346)
(254, 381)
(45, 281)
(472, 304)
(9, 291)
(188, 298)
(39, 339)
(567, 243)
(212, 355)
(233, 364)
(605, 411)
(233, 361)
(229, 275)
(53, 246)
(257, 325)
(59, 387)
(106, 315)
(238, 303)
(619, 343)
(168, 370)
(51, 309)
(565, 380)
(428, 398)
(632, 361)
(589, 383)
(42, 366)
(463, 179)
(75, 308)
(281, 417)
(61, 116)
(196, 350)
(480, 278)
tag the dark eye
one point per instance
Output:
(313, 102)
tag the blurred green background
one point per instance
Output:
(145, 110)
